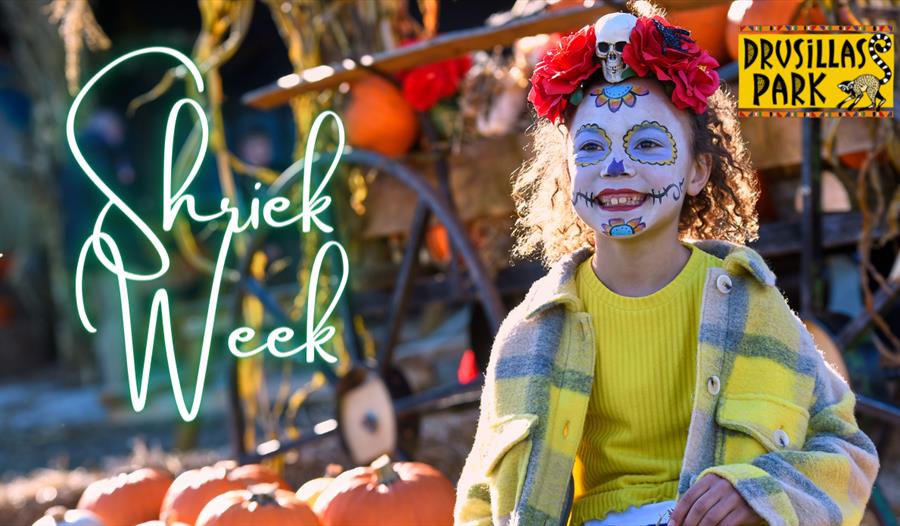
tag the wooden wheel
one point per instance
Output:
(367, 424)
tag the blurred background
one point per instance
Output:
(433, 97)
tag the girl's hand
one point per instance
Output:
(713, 501)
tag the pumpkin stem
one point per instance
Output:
(385, 469)
(263, 494)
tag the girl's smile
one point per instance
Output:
(620, 200)
(614, 200)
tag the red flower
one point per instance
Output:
(695, 83)
(425, 85)
(683, 62)
(561, 71)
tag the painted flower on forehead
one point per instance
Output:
(617, 94)
(668, 53)
(561, 71)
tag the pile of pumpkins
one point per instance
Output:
(383, 493)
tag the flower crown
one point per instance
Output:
(626, 47)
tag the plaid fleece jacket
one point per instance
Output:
(768, 414)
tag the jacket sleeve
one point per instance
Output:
(494, 471)
(473, 500)
(829, 480)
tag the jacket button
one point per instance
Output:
(566, 429)
(781, 438)
(723, 283)
(713, 385)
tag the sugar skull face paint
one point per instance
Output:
(592, 145)
(616, 168)
(618, 227)
(627, 175)
(673, 188)
(651, 143)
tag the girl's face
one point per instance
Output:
(630, 159)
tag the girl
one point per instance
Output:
(647, 379)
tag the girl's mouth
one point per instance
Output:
(620, 200)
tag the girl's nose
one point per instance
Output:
(616, 168)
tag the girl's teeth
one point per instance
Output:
(619, 201)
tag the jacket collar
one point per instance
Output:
(558, 286)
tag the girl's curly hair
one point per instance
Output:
(548, 226)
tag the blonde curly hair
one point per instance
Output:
(548, 227)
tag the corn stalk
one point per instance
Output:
(77, 28)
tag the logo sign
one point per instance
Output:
(176, 198)
(816, 71)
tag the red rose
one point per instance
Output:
(695, 83)
(644, 51)
(560, 72)
(690, 69)
(425, 85)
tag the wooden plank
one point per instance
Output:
(783, 238)
(441, 47)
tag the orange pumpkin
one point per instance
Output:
(388, 493)
(127, 498)
(250, 474)
(192, 490)
(261, 504)
(310, 491)
(707, 26)
(378, 118)
(757, 12)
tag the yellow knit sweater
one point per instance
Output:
(640, 408)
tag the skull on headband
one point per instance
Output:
(612, 32)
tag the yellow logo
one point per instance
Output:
(793, 71)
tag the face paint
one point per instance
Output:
(651, 143)
(658, 195)
(618, 227)
(588, 199)
(615, 95)
(615, 169)
(592, 145)
(627, 177)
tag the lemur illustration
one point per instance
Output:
(868, 84)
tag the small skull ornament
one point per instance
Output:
(612, 32)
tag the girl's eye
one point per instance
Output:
(591, 147)
(647, 143)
